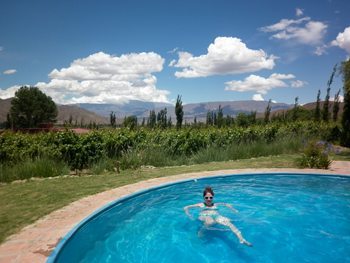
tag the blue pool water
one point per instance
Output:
(288, 218)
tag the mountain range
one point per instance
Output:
(99, 113)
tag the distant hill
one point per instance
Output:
(5, 106)
(310, 106)
(141, 109)
(99, 113)
(133, 107)
(64, 113)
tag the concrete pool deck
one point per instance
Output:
(35, 242)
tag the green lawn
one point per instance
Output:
(22, 203)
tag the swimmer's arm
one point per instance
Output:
(188, 207)
(229, 206)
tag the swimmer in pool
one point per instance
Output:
(210, 216)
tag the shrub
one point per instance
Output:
(314, 156)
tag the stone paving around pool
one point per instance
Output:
(35, 242)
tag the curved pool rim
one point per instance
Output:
(55, 253)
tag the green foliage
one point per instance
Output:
(247, 150)
(130, 122)
(317, 109)
(30, 107)
(267, 112)
(345, 70)
(162, 120)
(40, 167)
(142, 146)
(179, 112)
(112, 119)
(314, 156)
(104, 165)
(336, 106)
(152, 120)
(245, 120)
(220, 117)
(325, 111)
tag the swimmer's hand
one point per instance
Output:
(188, 214)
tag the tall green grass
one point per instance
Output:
(245, 151)
(159, 157)
(153, 156)
(41, 167)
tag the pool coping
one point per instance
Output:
(36, 242)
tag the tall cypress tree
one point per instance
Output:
(325, 111)
(317, 109)
(220, 117)
(179, 112)
(267, 112)
(336, 106)
(345, 70)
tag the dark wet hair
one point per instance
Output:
(208, 190)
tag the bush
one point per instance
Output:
(314, 156)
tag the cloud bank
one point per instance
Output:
(104, 78)
(262, 85)
(301, 31)
(227, 55)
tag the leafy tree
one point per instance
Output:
(170, 122)
(336, 106)
(215, 118)
(179, 112)
(245, 120)
(229, 121)
(209, 120)
(70, 120)
(317, 109)
(345, 70)
(30, 107)
(325, 111)
(130, 122)
(295, 109)
(152, 120)
(162, 118)
(220, 117)
(112, 119)
(267, 112)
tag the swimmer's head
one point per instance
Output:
(208, 195)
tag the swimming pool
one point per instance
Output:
(287, 217)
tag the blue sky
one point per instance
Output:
(116, 51)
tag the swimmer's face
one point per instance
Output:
(208, 198)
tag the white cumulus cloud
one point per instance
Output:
(104, 78)
(1, 48)
(343, 40)
(9, 71)
(302, 31)
(258, 97)
(284, 24)
(259, 84)
(10, 92)
(227, 55)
